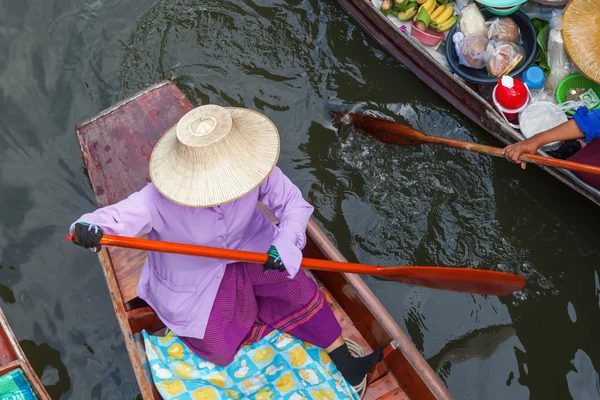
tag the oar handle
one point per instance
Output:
(529, 158)
(234, 255)
(554, 162)
(462, 145)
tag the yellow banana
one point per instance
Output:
(443, 17)
(408, 14)
(430, 6)
(447, 24)
(438, 11)
(419, 9)
(421, 1)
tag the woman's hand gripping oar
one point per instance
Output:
(444, 278)
(394, 133)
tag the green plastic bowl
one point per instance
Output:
(503, 12)
(575, 81)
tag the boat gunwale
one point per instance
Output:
(21, 361)
(400, 341)
(121, 103)
(376, 24)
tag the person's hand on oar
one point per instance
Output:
(88, 236)
(274, 262)
(567, 131)
(513, 152)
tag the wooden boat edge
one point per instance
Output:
(21, 360)
(428, 70)
(401, 341)
(121, 103)
(147, 390)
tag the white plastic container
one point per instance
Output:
(515, 91)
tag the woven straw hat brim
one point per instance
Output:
(220, 172)
(581, 27)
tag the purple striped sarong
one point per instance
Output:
(250, 304)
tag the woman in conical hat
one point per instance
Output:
(208, 173)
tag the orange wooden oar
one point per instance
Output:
(455, 279)
(395, 133)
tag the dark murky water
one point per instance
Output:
(62, 61)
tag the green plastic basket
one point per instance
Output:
(575, 81)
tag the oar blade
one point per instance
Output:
(457, 279)
(388, 132)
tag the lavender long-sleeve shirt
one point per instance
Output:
(182, 289)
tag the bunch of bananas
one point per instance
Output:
(443, 18)
(439, 16)
(434, 13)
(403, 9)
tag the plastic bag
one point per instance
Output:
(470, 49)
(558, 60)
(539, 117)
(472, 21)
(502, 57)
(503, 30)
(541, 95)
(460, 4)
(571, 105)
(534, 10)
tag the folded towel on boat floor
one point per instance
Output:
(277, 367)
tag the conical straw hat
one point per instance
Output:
(581, 33)
(214, 155)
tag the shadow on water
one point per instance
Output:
(481, 343)
(61, 61)
(48, 366)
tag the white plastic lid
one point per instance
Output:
(508, 82)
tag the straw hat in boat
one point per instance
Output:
(214, 155)
(581, 22)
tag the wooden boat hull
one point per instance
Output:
(116, 147)
(12, 357)
(460, 94)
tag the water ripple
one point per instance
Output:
(62, 61)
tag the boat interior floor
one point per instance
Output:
(382, 384)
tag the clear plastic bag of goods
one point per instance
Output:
(541, 95)
(470, 49)
(558, 60)
(460, 4)
(539, 117)
(503, 30)
(534, 10)
(472, 21)
(502, 57)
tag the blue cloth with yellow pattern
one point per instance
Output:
(277, 367)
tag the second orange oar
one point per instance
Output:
(444, 278)
(394, 133)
